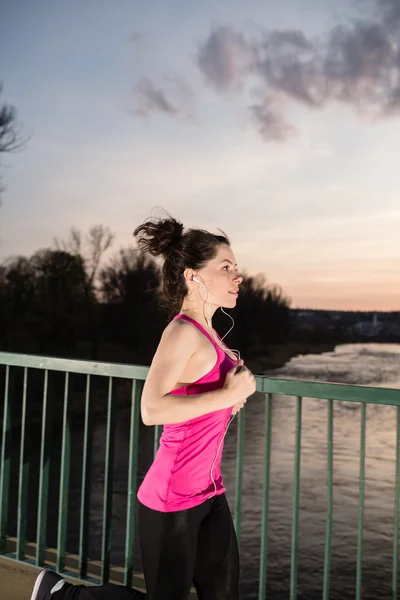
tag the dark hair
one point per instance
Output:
(181, 250)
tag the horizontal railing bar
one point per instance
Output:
(71, 565)
(68, 365)
(332, 391)
(266, 385)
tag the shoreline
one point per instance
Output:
(280, 354)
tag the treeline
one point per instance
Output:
(61, 302)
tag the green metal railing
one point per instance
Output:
(12, 363)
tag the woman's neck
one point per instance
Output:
(197, 316)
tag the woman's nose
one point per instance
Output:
(238, 279)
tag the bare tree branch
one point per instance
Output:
(98, 240)
(11, 139)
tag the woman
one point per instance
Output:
(194, 387)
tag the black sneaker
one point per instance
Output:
(46, 582)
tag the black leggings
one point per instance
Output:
(195, 546)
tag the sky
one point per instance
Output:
(277, 122)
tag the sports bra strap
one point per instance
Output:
(197, 324)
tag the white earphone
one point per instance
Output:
(195, 279)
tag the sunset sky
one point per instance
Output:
(278, 122)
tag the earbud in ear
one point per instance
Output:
(195, 279)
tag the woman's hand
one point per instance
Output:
(241, 383)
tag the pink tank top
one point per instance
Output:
(186, 469)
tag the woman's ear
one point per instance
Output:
(188, 274)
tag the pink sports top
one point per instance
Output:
(186, 469)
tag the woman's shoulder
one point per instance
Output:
(181, 330)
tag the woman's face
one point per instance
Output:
(220, 277)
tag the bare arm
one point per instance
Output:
(158, 406)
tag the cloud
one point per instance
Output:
(389, 11)
(357, 64)
(225, 59)
(148, 99)
(270, 120)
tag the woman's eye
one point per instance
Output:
(226, 267)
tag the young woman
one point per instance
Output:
(194, 388)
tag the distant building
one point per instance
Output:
(368, 328)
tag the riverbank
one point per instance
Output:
(280, 354)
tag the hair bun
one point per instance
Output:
(160, 236)
(173, 234)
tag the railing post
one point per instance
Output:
(396, 510)
(296, 501)
(108, 486)
(239, 472)
(64, 480)
(265, 512)
(132, 474)
(5, 457)
(158, 429)
(24, 465)
(329, 493)
(44, 472)
(86, 481)
(361, 504)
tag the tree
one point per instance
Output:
(17, 298)
(97, 241)
(129, 288)
(60, 287)
(11, 139)
(90, 249)
(41, 302)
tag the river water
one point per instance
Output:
(375, 365)
(367, 364)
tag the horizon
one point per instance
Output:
(278, 125)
